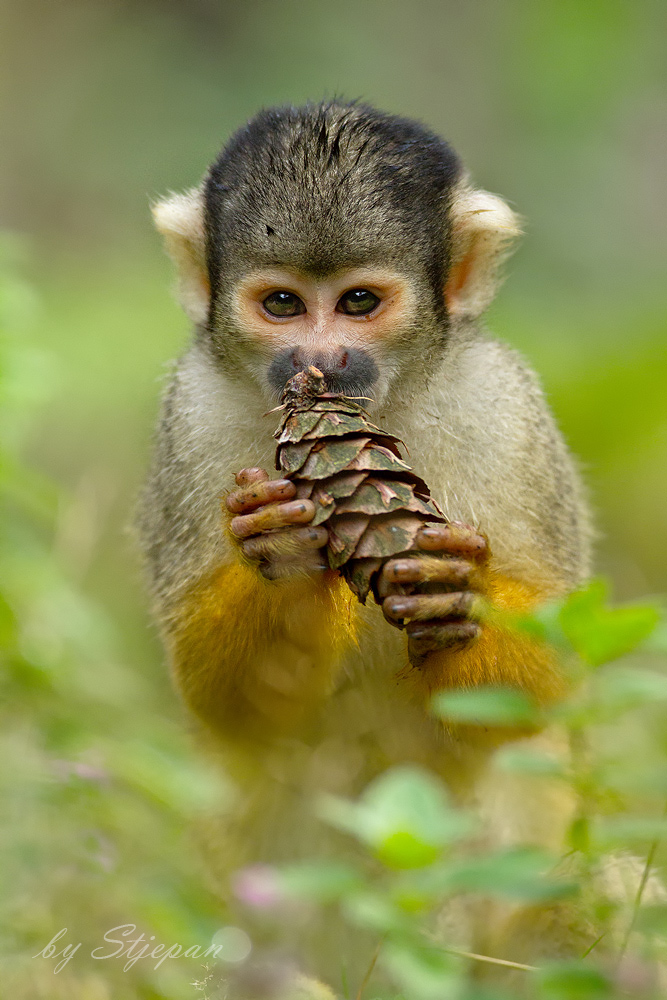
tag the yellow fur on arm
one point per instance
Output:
(500, 657)
(249, 654)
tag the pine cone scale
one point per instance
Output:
(327, 458)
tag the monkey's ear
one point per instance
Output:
(180, 220)
(483, 229)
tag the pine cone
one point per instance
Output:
(371, 500)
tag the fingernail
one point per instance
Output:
(294, 506)
(313, 534)
(429, 532)
(400, 567)
(398, 607)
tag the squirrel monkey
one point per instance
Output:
(340, 236)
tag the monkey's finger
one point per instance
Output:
(455, 538)
(313, 565)
(423, 569)
(277, 515)
(253, 475)
(425, 638)
(291, 541)
(259, 493)
(426, 607)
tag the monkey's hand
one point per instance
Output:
(433, 594)
(272, 528)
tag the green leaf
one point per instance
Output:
(375, 911)
(488, 706)
(423, 972)
(408, 799)
(544, 623)
(323, 881)
(414, 891)
(573, 981)
(517, 873)
(579, 834)
(613, 831)
(600, 634)
(582, 622)
(404, 816)
(404, 849)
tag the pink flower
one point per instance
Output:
(258, 886)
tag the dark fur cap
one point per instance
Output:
(329, 185)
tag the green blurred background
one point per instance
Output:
(560, 106)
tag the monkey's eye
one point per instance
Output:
(283, 304)
(357, 302)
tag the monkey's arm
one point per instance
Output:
(251, 657)
(248, 654)
(497, 656)
(496, 462)
(449, 607)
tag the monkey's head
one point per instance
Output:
(334, 235)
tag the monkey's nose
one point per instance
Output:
(330, 362)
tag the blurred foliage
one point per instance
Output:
(407, 823)
(96, 797)
(561, 107)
